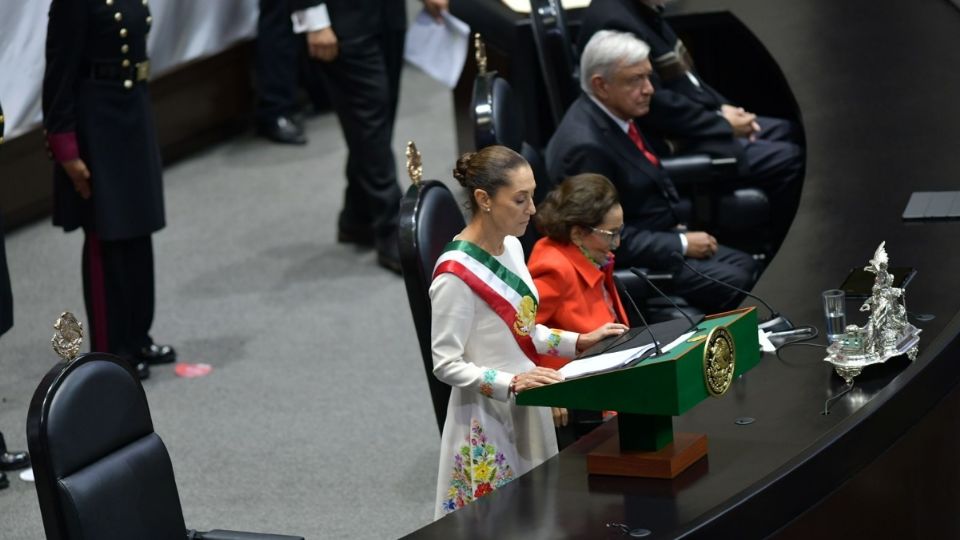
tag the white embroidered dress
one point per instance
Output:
(487, 439)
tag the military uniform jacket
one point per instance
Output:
(679, 109)
(6, 296)
(356, 18)
(96, 107)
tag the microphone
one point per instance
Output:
(644, 277)
(636, 310)
(776, 322)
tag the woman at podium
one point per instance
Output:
(572, 267)
(485, 338)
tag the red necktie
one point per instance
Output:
(634, 135)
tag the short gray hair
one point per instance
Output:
(607, 50)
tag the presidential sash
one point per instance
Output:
(505, 292)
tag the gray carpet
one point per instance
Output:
(316, 419)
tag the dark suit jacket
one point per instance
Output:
(354, 18)
(589, 141)
(679, 108)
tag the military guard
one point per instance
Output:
(107, 177)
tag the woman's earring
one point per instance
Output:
(487, 209)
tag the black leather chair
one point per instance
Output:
(557, 54)
(429, 219)
(101, 471)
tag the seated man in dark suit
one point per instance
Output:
(598, 135)
(686, 110)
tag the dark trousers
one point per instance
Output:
(364, 86)
(774, 164)
(278, 52)
(119, 293)
(729, 266)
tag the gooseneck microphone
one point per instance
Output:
(636, 310)
(776, 322)
(641, 275)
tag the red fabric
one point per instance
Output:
(571, 294)
(634, 135)
(497, 303)
(98, 294)
(63, 146)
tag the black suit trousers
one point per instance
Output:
(118, 290)
(363, 83)
(278, 51)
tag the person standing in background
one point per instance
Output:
(359, 44)
(8, 460)
(277, 60)
(107, 177)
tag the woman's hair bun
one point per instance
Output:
(463, 164)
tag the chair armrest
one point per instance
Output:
(219, 534)
(696, 168)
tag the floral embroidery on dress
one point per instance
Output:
(553, 342)
(478, 469)
(486, 387)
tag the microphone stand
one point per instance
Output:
(649, 282)
(776, 322)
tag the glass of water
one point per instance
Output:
(835, 311)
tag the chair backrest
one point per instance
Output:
(101, 471)
(559, 61)
(496, 113)
(429, 219)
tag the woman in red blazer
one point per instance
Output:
(572, 267)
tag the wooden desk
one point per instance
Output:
(877, 84)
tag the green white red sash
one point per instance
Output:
(505, 292)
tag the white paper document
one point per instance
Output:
(603, 362)
(439, 49)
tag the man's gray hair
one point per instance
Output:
(607, 50)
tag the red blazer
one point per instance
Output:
(571, 294)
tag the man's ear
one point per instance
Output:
(599, 86)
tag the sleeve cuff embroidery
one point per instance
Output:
(311, 19)
(63, 146)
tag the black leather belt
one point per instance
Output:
(114, 71)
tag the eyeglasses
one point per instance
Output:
(611, 236)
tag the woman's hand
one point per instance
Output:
(585, 341)
(560, 417)
(77, 170)
(538, 376)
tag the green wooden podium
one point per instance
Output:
(649, 394)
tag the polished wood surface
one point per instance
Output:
(608, 459)
(877, 91)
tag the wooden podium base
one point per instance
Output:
(668, 462)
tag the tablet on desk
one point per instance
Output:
(859, 282)
(932, 206)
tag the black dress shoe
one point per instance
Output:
(388, 255)
(142, 367)
(3, 481)
(157, 354)
(283, 130)
(10, 461)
